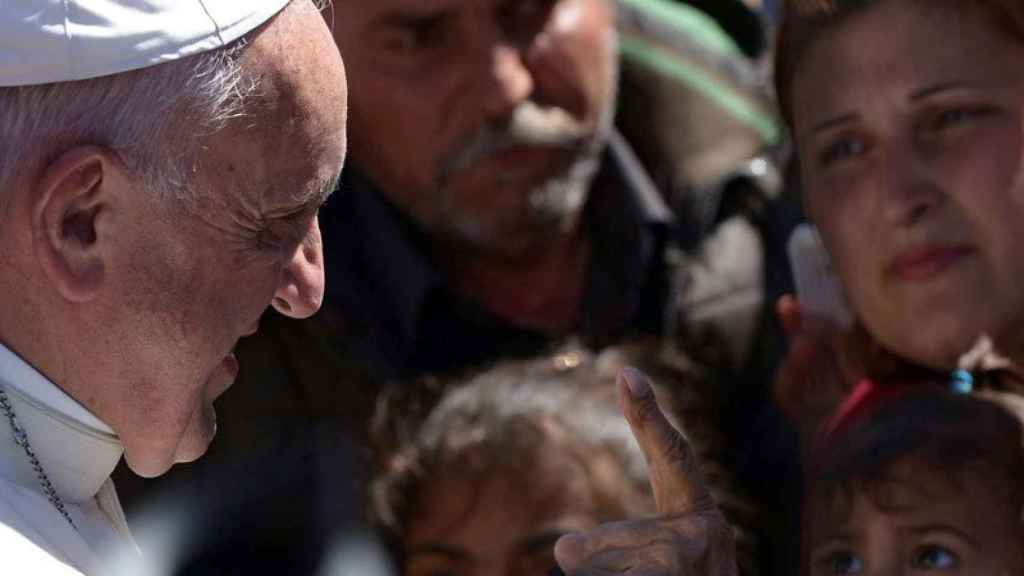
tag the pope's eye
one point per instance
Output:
(268, 240)
(934, 557)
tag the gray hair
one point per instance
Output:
(155, 119)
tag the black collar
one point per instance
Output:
(392, 303)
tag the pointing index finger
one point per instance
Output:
(674, 471)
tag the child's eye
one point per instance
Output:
(842, 562)
(933, 557)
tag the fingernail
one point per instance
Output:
(636, 382)
(569, 552)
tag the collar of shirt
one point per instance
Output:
(76, 449)
(388, 297)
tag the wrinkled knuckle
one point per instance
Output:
(678, 452)
(645, 409)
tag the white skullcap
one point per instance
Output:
(45, 41)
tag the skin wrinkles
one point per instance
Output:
(469, 71)
(149, 347)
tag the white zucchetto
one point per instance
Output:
(47, 41)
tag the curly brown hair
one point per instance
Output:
(495, 421)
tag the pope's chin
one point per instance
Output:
(153, 456)
(191, 446)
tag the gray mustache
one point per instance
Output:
(529, 125)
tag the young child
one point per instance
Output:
(512, 458)
(915, 478)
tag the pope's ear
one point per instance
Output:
(69, 212)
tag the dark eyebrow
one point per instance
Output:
(409, 17)
(833, 123)
(438, 550)
(837, 537)
(937, 88)
(948, 529)
(328, 188)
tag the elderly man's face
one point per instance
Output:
(198, 281)
(481, 119)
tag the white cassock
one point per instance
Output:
(78, 452)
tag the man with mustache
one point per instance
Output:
(491, 208)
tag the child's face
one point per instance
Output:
(503, 523)
(918, 520)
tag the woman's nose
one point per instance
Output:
(911, 191)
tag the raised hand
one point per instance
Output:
(688, 537)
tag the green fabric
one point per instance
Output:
(695, 78)
(688, 21)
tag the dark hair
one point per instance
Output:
(949, 434)
(497, 419)
(942, 429)
(804, 21)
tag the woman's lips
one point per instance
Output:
(924, 263)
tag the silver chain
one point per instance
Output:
(21, 439)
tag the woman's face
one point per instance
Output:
(908, 123)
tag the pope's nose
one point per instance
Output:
(301, 290)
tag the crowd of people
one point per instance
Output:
(467, 287)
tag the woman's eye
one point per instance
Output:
(842, 149)
(954, 117)
(935, 558)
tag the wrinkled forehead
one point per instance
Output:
(294, 135)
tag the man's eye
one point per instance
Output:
(934, 557)
(842, 149)
(421, 32)
(523, 18)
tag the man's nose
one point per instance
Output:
(509, 80)
(301, 289)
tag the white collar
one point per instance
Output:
(76, 449)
